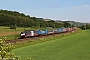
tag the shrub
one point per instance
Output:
(5, 51)
(12, 27)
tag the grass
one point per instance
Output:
(41, 40)
(75, 47)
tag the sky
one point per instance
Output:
(72, 10)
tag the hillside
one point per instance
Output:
(8, 18)
(76, 23)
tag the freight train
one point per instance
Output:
(36, 33)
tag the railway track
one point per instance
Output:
(33, 38)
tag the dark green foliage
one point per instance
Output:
(67, 25)
(8, 18)
(12, 27)
(85, 27)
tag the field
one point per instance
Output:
(13, 34)
(74, 47)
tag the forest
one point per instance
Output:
(8, 18)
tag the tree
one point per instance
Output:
(67, 24)
(87, 26)
(8, 18)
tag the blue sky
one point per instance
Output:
(76, 10)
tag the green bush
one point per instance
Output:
(6, 51)
(12, 27)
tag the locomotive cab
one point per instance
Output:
(28, 33)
